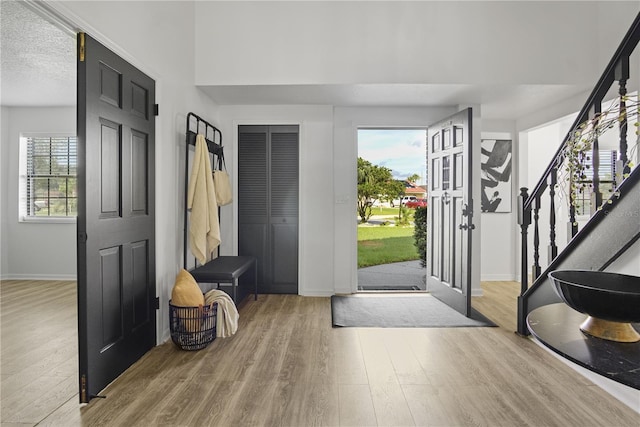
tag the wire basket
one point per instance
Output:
(193, 328)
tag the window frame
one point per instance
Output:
(25, 177)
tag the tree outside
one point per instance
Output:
(374, 182)
(413, 178)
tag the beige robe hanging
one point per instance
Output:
(204, 228)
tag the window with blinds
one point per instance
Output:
(606, 173)
(51, 184)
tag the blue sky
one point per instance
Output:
(401, 150)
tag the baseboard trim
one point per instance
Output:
(497, 278)
(65, 277)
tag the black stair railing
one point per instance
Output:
(544, 195)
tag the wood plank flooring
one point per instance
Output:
(38, 349)
(499, 302)
(287, 366)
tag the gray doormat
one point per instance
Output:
(415, 311)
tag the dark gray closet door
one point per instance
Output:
(268, 204)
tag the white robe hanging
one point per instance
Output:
(204, 228)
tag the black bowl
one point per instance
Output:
(607, 296)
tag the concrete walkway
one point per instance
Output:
(399, 275)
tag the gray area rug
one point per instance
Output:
(416, 311)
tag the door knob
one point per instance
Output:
(445, 198)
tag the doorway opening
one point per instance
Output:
(39, 96)
(392, 196)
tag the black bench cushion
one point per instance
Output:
(223, 269)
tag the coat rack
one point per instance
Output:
(223, 269)
(195, 126)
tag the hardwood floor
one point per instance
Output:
(39, 349)
(287, 366)
(499, 303)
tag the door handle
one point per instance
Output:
(467, 211)
(446, 198)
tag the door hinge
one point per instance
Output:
(157, 303)
(83, 389)
(81, 50)
(82, 237)
(156, 110)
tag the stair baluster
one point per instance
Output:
(572, 218)
(536, 240)
(553, 248)
(595, 163)
(622, 75)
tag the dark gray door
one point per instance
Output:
(450, 211)
(268, 204)
(116, 215)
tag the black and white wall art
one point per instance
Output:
(495, 163)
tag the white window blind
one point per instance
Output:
(51, 184)
(606, 174)
(606, 166)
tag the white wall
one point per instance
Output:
(498, 239)
(33, 250)
(156, 37)
(316, 245)
(400, 42)
(4, 190)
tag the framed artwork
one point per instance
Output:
(495, 165)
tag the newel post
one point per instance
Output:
(524, 220)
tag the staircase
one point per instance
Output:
(613, 201)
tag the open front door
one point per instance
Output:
(450, 211)
(116, 215)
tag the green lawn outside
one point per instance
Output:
(389, 214)
(385, 244)
(384, 211)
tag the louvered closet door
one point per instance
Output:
(268, 204)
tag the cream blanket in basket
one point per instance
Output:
(204, 229)
(227, 315)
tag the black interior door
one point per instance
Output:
(450, 211)
(116, 215)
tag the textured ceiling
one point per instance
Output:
(37, 59)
